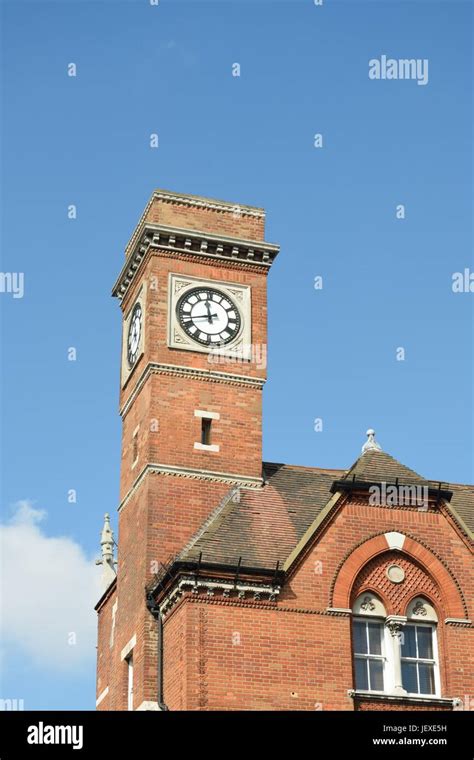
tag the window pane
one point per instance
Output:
(375, 638)
(425, 645)
(409, 677)
(361, 674)
(408, 641)
(360, 637)
(426, 673)
(376, 675)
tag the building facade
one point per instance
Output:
(249, 585)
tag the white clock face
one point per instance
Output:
(208, 316)
(134, 332)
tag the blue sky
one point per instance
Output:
(167, 69)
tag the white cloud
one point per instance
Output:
(48, 591)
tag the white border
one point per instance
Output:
(240, 346)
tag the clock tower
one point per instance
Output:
(193, 364)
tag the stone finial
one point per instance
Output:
(107, 549)
(371, 444)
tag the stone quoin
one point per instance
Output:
(242, 584)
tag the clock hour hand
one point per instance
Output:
(210, 317)
(208, 312)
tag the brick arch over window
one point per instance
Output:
(348, 574)
(397, 596)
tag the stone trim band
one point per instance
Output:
(196, 243)
(153, 368)
(226, 589)
(184, 472)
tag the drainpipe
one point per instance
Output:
(159, 625)
(155, 611)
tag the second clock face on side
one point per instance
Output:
(134, 333)
(208, 316)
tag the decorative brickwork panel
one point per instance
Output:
(416, 582)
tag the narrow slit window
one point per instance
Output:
(135, 448)
(129, 662)
(206, 431)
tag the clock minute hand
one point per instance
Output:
(208, 312)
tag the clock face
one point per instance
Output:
(134, 332)
(208, 316)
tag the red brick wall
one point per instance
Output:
(240, 656)
(155, 524)
(164, 511)
(104, 659)
(168, 429)
(217, 220)
(293, 654)
(156, 269)
(226, 654)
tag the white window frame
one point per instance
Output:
(205, 415)
(435, 661)
(391, 648)
(383, 657)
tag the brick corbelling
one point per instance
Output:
(189, 597)
(367, 549)
(264, 605)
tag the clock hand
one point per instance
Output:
(208, 312)
(209, 318)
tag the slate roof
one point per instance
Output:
(378, 466)
(263, 526)
(462, 503)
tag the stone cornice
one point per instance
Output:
(339, 611)
(106, 593)
(213, 376)
(194, 243)
(461, 622)
(226, 590)
(413, 699)
(186, 472)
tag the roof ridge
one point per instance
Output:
(304, 467)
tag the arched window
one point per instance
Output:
(419, 650)
(395, 654)
(369, 643)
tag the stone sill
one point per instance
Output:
(414, 699)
